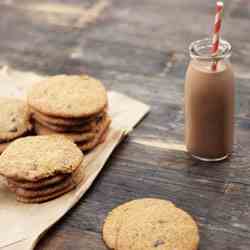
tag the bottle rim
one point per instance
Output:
(196, 48)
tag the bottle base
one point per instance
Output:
(210, 159)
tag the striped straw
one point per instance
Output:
(216, 32)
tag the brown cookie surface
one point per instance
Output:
(99, 137)
(45, 198)
(14, 119)
(159, 227)
(45, 191)
(66, 122)
(61, 129)
(38, 184)
(54, 192)
(3, 146)
(68, 96)
(76, 137)
(122, 213)
(36, 157)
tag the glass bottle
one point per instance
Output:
(209, 102)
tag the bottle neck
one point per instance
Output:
(201, 50)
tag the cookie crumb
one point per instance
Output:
(161, 221)
(13, 119)
(158, 243)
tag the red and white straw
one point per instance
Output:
(216, 32)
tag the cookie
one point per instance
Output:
(88, 146)
(75, 180)
(159, 227)
(14, 119)
(45, 198)
(76, 137)
(3, 146)
(27, 193)
(100, 135)
(103, 137)
(118, 215)
(34, 158)
(65, 122)
(45, 191)
(68, 96)
(60, 128)
(38, 184)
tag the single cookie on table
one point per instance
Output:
(68, 96)
(158, 227)
(76, 137)
(52, 193)
(14, 119)
(121, 214)
(34, 158)
(66, 122)
(99, 137)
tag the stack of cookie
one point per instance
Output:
(73, 106)
(14, 121)
(40, 168)
(150, 224)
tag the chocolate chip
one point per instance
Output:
(98, 119)
(13, 129)
(13, 119)
(162, 221)
(158, 243)
(69, 106)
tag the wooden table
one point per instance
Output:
(140, 48)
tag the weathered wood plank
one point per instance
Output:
(62, 239)
(168, 36)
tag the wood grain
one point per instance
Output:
(140, 48)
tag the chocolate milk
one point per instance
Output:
(209, 110)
